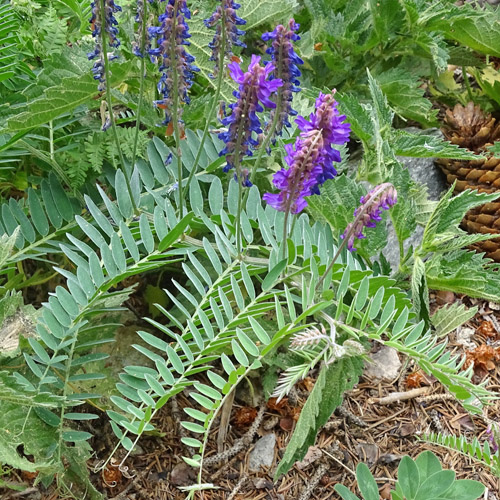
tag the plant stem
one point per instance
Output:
(285, 233)
(175, 111)
(51, 139)
(220, 78)
(239, 242)
(141, 86)
(467, 83)
(110, 103)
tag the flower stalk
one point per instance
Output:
(141, 19)
(105, 31)
(382, 197)
(177, 73)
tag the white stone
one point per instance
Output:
(383, 364)
(263, 453)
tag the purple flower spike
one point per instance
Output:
(175, 62)
(255, 89)
(310, 159)
(286, 62)
(225, 13)
(110, 27)
(139, 17)
(383, 197)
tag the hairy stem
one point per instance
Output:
(143, 78)
(175, 111)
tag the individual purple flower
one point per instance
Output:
(382, 197)
(286, 63)
(110, 28)
(175, 62)
(310, 159)
(255, 89)
(491, 438)
(225, 16)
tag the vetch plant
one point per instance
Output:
(227, 35)
(383, 197)
(241, 284)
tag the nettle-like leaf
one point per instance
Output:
(326, 395)
(70, 93)
(404, 213)
(470, 27)
(428, 146)
(463, 271)
(406, 97)
(442, 233)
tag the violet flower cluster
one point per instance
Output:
(225, 13)
(310, 160)
(286, 62)
(110, 27)
(139, 17)
(175, 62)
(382, 197)
(255, 88)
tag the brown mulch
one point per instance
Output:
(386, 433)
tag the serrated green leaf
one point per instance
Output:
(326, 395)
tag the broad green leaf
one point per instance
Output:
(366, 482)
(326, 395)
(408, 477)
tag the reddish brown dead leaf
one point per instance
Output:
(280, 407)
(416, 379)
(308, 384)
(484, 358)
(294, 413)
(244, 416)
(111, 476)
(385, 491)
(486, 329)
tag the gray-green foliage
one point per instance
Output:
(477, 451)
(449, 317)
(419, 479)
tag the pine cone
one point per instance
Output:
(485, 219)
(470, 128)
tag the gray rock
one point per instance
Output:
(383, 364)
(423, 171)
(263, 453)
